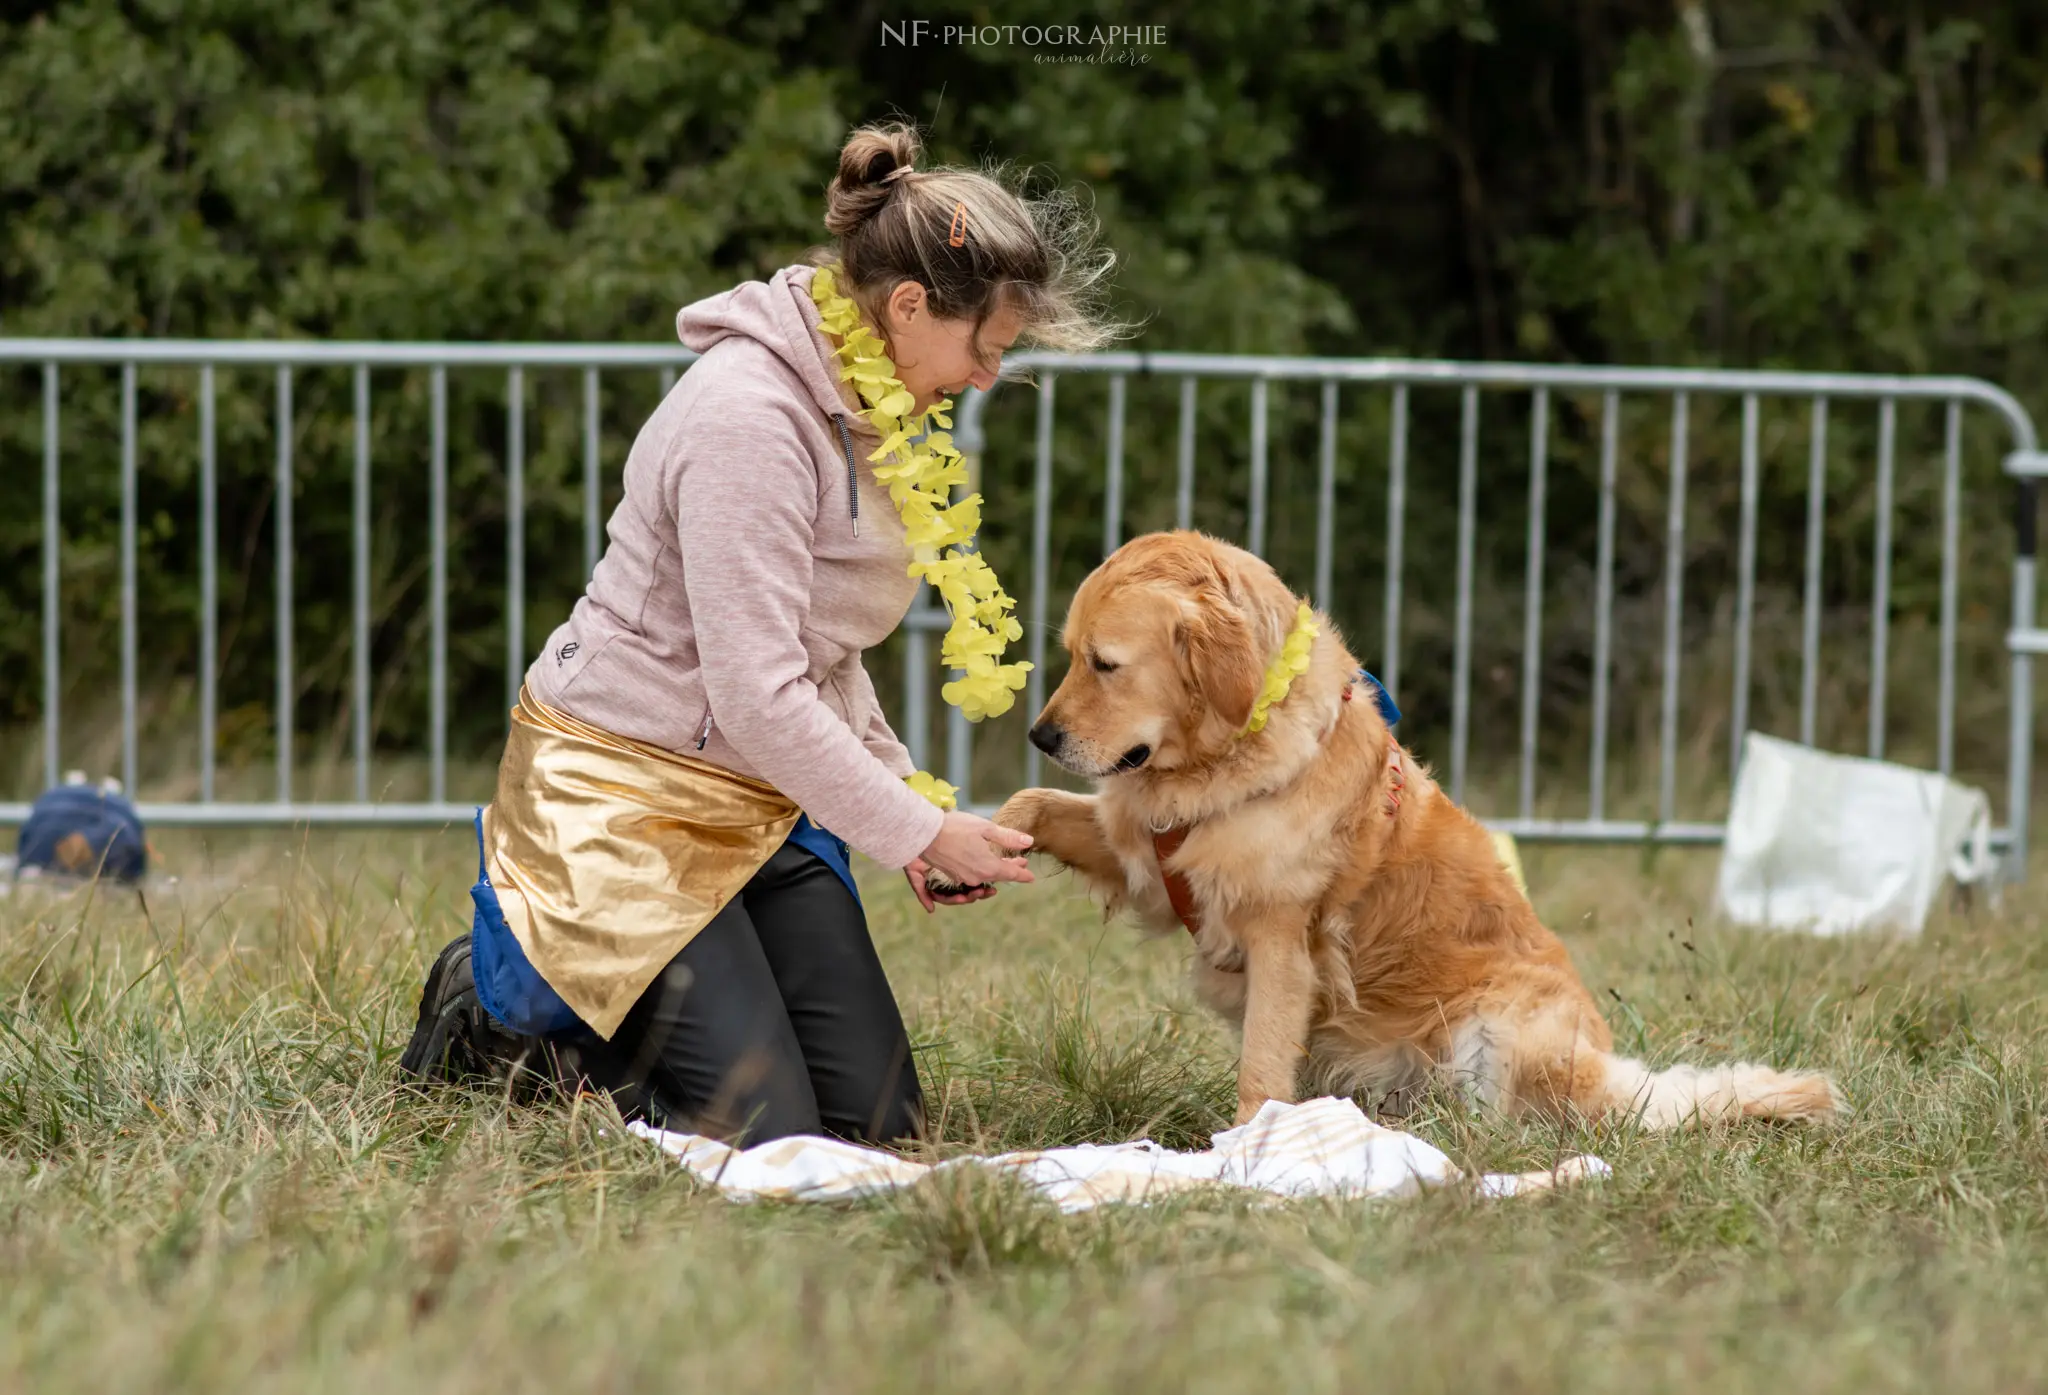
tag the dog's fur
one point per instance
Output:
(1376, 950)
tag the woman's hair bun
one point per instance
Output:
(870, 155)
(974, 243)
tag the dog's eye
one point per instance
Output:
(1100, 664)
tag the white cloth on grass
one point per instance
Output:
(1324, 1147)
(1834, 843)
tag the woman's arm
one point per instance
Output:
(879, 738)
(745, 504)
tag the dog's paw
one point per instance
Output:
(942, 884)
(1024, 811)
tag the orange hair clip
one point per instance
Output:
(956, 235)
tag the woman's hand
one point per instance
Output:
(966, 851)
(928, 898)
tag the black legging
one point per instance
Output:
(775, 1020)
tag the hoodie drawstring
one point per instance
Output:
(852, 479)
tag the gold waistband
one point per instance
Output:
(609, 855)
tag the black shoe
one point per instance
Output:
(456, 1038)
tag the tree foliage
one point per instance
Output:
(1842, 184)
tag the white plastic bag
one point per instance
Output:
(1837, 843)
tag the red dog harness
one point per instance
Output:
(1181, 896)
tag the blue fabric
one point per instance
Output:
(513, 991)
(507, 984)
(829, 849)
(83, 831)
(1382, 698)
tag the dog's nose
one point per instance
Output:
(1046, 736)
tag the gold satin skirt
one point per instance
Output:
(609, 855)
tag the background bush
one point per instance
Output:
(1853, 185)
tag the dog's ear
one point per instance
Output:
(1218, 658)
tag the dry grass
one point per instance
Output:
(208, 1180)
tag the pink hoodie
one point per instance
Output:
(727, 616)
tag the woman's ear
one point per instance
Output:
(905, 301)
(1218, 659)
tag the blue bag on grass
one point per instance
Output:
(81, 830)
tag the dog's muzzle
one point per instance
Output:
(1082, 758)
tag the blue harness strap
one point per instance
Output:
(1382, 699)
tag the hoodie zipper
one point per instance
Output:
(852, 478)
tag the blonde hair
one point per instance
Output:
(972, 243)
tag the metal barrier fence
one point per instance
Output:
(2025, 462)
(284, 357)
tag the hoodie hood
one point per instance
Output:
(779, 315)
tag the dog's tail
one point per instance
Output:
(1681, 1095)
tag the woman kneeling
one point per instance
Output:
(661, 911)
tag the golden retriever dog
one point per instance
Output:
(1354, 921)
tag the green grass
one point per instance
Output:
(208, 1180)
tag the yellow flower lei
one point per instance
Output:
(921, 476)
(1281, 673)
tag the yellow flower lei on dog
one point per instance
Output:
(921, 476)
(1281, 673)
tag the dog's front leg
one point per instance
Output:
(1062, 826)
(1280, 990)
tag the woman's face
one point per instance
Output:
(938, 358)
